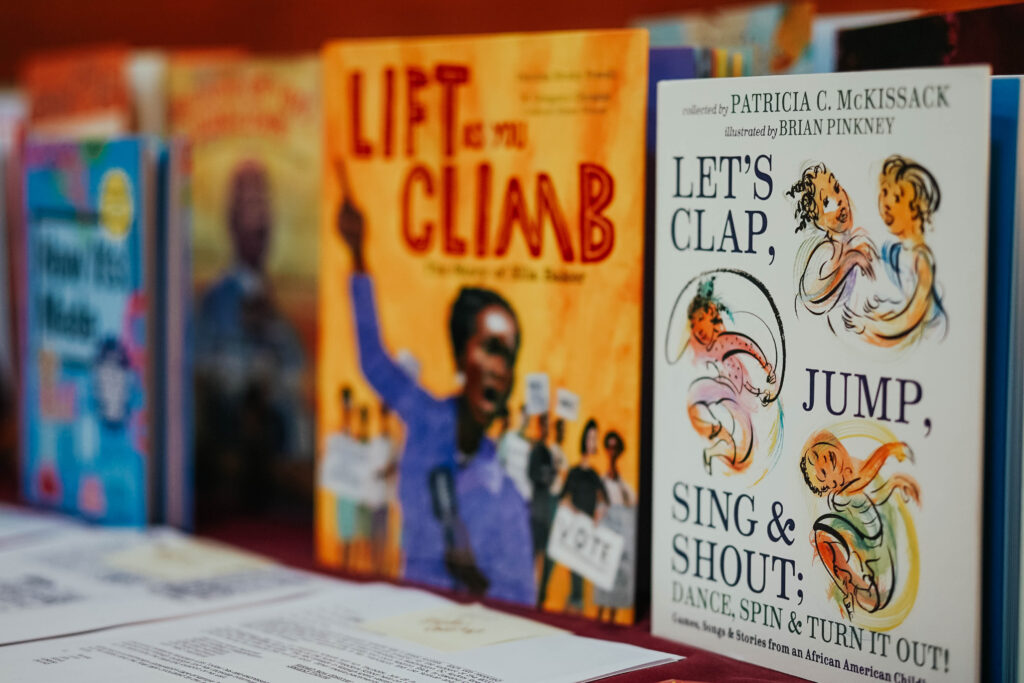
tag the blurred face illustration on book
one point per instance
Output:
(111, 377)
(613, 445)
(707, 324)
(590, 442)
(249, 355)
(896, 205)
(250, 214)
(488, 361)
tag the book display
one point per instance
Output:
(565, 342)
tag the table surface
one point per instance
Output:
(291, 542)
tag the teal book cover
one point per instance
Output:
(86, 446)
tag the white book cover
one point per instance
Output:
(819, 348)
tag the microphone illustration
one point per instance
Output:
(458, 554)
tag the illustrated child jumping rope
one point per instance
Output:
(720, 406)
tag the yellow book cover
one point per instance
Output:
(481, 297)
(255, 125)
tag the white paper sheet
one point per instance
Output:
(319, 637)
(90, 578)
(20, 527)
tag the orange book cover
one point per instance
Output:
(79, 92)
(479, 383)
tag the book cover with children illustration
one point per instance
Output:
(480, 348)
(819, 384)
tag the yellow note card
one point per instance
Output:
(454, 628)
(173, 558)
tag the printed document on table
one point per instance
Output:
(89, 579)
(20, 527)
(327, 636)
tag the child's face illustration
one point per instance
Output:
(488, 363)
(833, 204)
(894, 199)
(112, 390)
(706, 324)
(827, 466)
(591, 442)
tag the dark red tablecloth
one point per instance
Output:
(292, 544)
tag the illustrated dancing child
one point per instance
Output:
(720, 407)
(856, 540)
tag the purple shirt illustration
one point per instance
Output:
(493, 514)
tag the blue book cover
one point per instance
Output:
(665, 64)
(86, 446)
(1002, 470)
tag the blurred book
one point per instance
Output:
(79, 93)
(102, 91)
(481, 307)
(981, 36)
(12, 118)
(777, 36)
(720, 62)
(826, 28)
(175, 335)
(100, 222)
(147, 81)
(255, 130)
(1005, 390)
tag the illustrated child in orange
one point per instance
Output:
(908, 198)
(720, 406)
(857, 540)
(827, 264)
